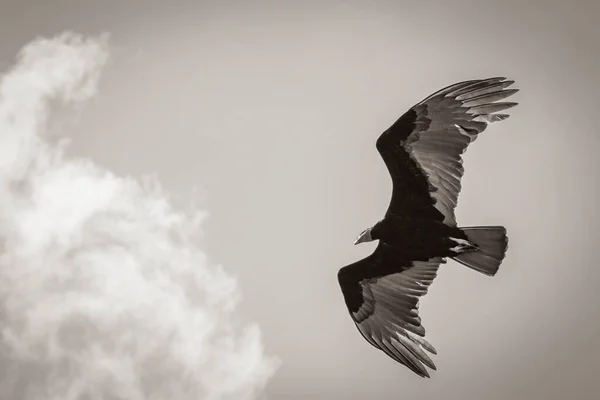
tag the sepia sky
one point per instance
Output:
(268, 112)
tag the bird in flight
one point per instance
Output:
(422, 151)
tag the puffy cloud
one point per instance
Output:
(104, 292)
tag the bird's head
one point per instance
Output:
(373, 233)
(365, 236)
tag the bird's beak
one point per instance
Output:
(364, 237)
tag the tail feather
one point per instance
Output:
(492, 243)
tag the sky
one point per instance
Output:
(236, 140)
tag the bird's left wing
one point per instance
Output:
(382, 294)
(423, 148)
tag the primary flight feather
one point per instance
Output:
(422, 151)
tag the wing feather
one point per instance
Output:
(490, 88)
(489, 97)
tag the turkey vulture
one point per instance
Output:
(422, 151)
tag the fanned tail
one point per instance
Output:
(491, 242)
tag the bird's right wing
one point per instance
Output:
(382, 294)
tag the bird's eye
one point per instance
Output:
(396, 148)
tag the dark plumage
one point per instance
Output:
(422, 151)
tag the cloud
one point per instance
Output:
(104, 293)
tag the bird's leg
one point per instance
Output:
(462, 246)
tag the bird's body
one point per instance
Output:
(418, 232)
(417, 237)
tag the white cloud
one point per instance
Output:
(104, 293)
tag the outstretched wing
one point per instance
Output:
(382, 293)
(422, 149)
